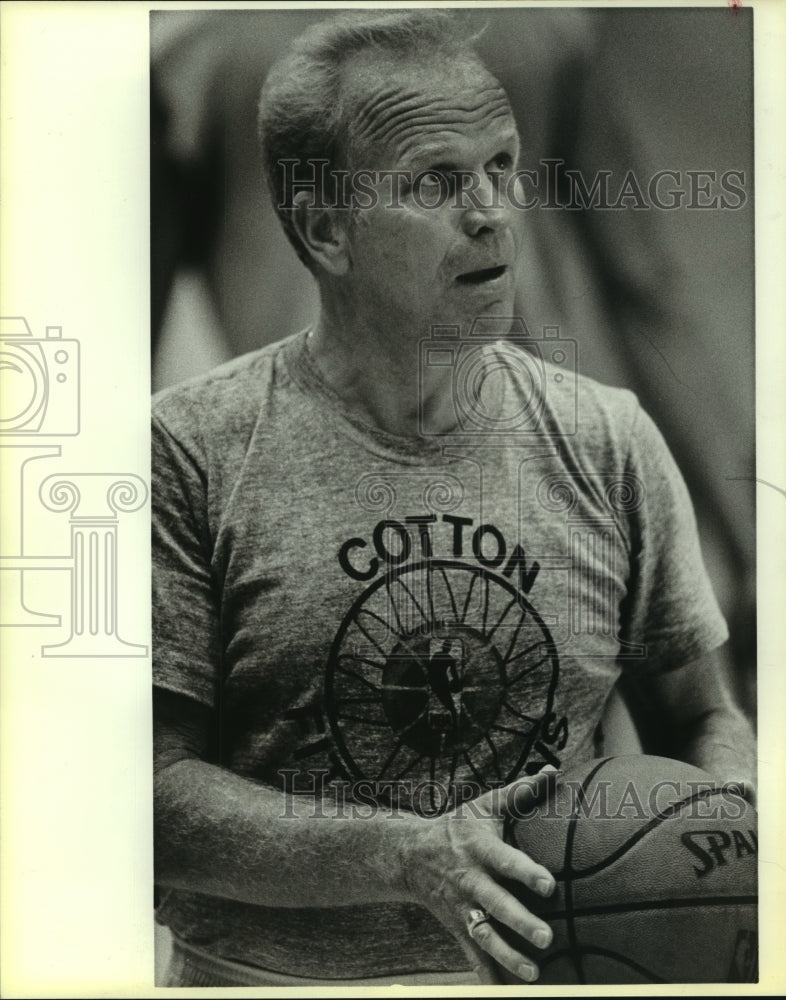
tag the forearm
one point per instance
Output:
(699, 722)
(219, 834)
(722, 743)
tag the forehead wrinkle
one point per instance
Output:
(433, 106)
(383, 111)
(414, 120)
(451, 115)
(406, 144)
(381, 100)
(415, 126)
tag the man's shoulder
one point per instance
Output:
(600, 405)
(568, 403)
(228, 396)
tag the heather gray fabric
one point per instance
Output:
(194, 967)
(440, 613)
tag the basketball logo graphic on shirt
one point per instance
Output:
(440, 668)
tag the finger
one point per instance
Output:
(490, 941)
(509, 863)
(504, 907)
(484, 967)
(522, 796)
(519, 795)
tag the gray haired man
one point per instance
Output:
(369, 606)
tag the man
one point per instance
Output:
(402, 558)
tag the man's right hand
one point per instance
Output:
(454, 866)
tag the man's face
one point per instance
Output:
(450, 127)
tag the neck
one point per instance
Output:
(372, 364)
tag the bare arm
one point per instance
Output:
(217, 833)
(699, 722)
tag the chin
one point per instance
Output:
(501, 308)
(463, 313)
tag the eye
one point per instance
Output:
(502, 162)
(438, 177)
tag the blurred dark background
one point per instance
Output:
(661, 302)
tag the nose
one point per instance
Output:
(485, 209)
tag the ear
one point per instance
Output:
(323, 232)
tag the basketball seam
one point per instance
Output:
(608, 953)
(657, 904)
(656, 820)
(574, 951)
(573, 941)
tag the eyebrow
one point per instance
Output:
(438, 155)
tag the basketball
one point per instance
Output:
(656, 871)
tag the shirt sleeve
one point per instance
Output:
(186, 637)
(671, 607)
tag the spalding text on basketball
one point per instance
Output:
(715, 848)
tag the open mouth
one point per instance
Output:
(479, 277)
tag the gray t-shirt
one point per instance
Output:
(419, 618)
